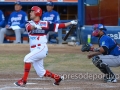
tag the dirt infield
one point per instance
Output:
(82, 78)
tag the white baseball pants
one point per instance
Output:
(110, 60)
(36, 57)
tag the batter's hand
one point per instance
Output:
(74, 22)
(32, 27)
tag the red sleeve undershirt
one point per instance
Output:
(61, 25)
(28, 27)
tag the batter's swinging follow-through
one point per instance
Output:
(37, 31)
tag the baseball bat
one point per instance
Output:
(67, 35)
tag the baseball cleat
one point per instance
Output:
(57, 81)
(107, 79)
(20, 83)
(112, 80)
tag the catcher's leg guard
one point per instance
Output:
(102, 66)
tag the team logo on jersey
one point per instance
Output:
(52, 15)
(15, 19)
(33, 37)
(38, 31)
(44, 24)
(48, 18)
(103, 43)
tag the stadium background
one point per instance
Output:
(79, 72)
(88, 12)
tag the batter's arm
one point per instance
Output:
(63, 25)
(55, 26)
(29, 27)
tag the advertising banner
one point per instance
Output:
(112, 31)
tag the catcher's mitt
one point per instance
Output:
(86, 47)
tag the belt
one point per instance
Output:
(33, 46)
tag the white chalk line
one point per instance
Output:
(25, 88)
(4, 88)
(28, 78)
(31, 79)
(31, 83)
(10, 87)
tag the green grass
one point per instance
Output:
(68, 62)
(11, 61)
(55, 62)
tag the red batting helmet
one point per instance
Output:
(38, 10)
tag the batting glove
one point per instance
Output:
(74, 22)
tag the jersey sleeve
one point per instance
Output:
(2, 19)
(28, 27)
(57, 18)
(24, 20)
(51, 27)
(54, 27)
(45, 25)
(104, 42)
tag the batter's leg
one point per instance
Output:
(56, 77)
(35, 55)
(39, 67)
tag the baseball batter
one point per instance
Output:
(107, 55)
(37, 31)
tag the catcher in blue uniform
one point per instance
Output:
(107, 55)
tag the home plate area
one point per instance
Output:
(67, 84)
(62, 59)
